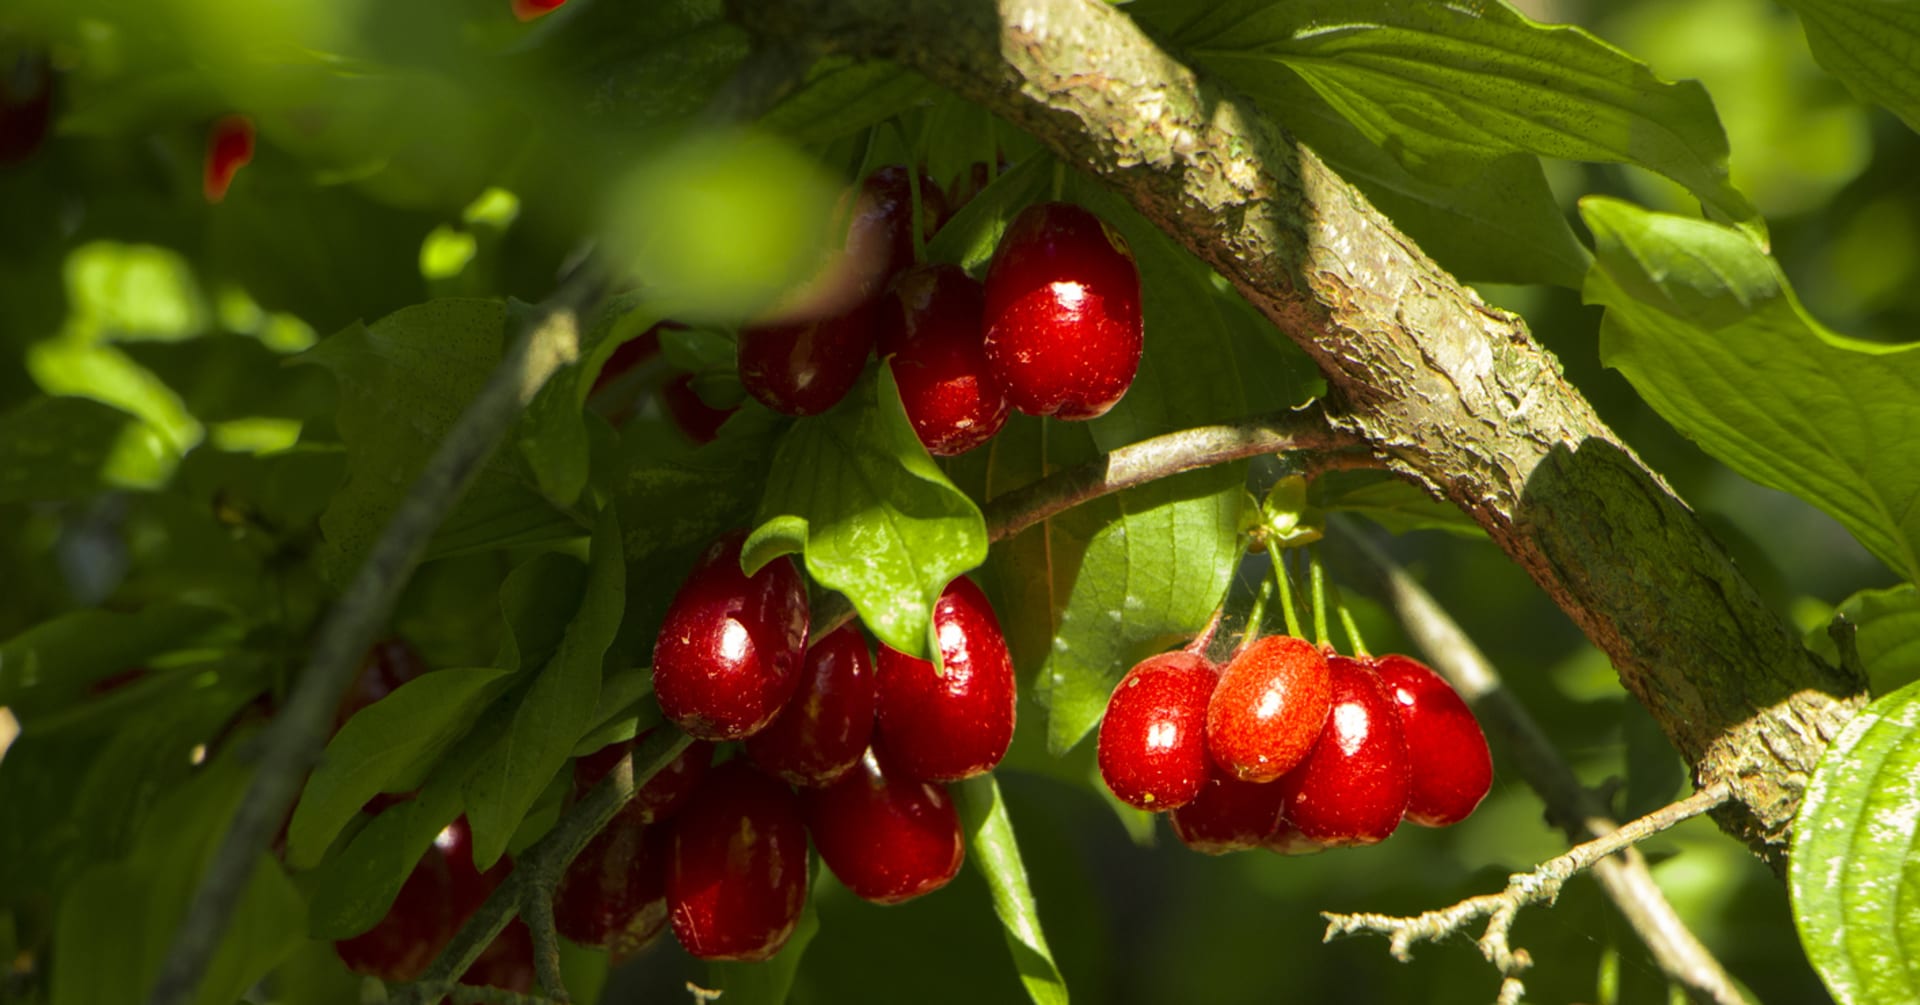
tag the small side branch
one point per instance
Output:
(1541, 886)
(547, 341)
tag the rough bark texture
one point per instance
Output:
(1457, 394)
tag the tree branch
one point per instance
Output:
(1455, 394)
(549, 339)
(1541, 886)
(1570, 805)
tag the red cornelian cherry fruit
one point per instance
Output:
(729, 652)
(805, 367)
(229, 148)
(956, 723)
(1063, 313)
(663, 794)
(441, 892)
(613, 895)
(697, 420)
(1228, 814)
(527, 10)
(931, 327)
(828, 723)
(737, 878)
(885, 207)
(1452, 768)
(1153, 739)
(887, 839)
(1269, 707)
(1352, 788)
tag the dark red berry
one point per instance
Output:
(388, 664)
(1063, 313)
(1228, 815)
(629, 355)
(1452, 769)
(442, 891)
(805, 367)
(886, 206)
(931, 326)
(954, 724)
(664, 794)
(738, 875)
(827, 725)
(1352, 788)
(614, 894)
(1269, 707)
(506, 963)
(527, 10)
(26, 105)
(700, 421)
(1153, 740)
(115, 681)
(229, 148)
(887, 839)
(728, 655)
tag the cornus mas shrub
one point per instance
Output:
(519, 501)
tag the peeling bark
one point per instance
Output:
(1456, 394)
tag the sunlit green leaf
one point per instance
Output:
(1706, 328)
(1853, 866)
(1869, 44)
(1450, 88)
(993, 851)
(884, 525)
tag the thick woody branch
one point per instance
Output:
(1571, 806)
(1455, 394)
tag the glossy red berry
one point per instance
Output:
(699, 421)
(805, 367)
(887, 839)
(1268, 709)
(1352, 788)
(441, 892)
(931, 327)
(738, 874)
(664, 794)
(954, 724)
(614, 894)
(388, 664)
(1452, 769)
(229, 148)
(826, 727)
(1153, 740)
(527, 10)
(728, 655)
(1063, 313)
(886, 206)
(1228, 815)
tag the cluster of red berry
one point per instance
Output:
(1054, 330)
(839, 747)
(1291, 748)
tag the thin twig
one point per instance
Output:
(1541, 886)
(538, 870)
(1570, 805)
(549, 339)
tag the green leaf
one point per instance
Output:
(115, 923)
(1706, 328)
(1870, 45)
(388, 747)
(968, 240)
(993, 850)
(626, 708)
(1394, 503)
(842, 97)
(403, 383)
(1500, 225)
(1854, 869)
(50, 665)
(1887, 636)
(884, 525)
(552, 436)
(354, 887)
(769, 981)
(557, 710)
(1450, 88)
(54, 449)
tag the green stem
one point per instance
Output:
(1354, 641)
(1318, 576)
(1256, 614)
(1285, 583)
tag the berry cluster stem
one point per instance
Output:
(1284, 580)
(1317, 575)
